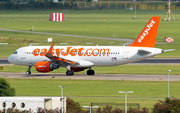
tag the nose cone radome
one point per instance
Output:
(10, 59)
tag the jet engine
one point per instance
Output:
(45, 66)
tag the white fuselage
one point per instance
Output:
(97, 55)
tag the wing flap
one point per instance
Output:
(63, 60)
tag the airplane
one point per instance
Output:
(79, 58)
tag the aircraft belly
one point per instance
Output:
(103, 60)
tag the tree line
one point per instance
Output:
(36, 5)
(71, 0)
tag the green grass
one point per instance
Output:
(16, 40)
(97, 88)
(85, 23)
(91, 22)
(121, 69)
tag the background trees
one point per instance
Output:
(5, 88)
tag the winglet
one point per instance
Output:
(147, 37)
(50, 49)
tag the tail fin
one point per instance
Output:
(147, 37)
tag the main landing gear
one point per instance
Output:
(90, 72)
(28, 72)
(69, 72)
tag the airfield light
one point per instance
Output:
(168, 82)
(125, 98)
(90, 107)
(62, 96)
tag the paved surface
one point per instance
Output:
(146, 61)
(95, 77)
(119, 39)
(4, 62)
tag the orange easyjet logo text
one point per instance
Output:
(73, 52)
(146, 31)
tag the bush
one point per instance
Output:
(5, 88)
(167, 106)
(72, 106)
(14, 110)
(109, 109)
(40, 110)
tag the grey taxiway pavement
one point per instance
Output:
(151, 60)
(119, 39)
(98, 76)
(94, 77)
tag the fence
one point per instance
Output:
(117, 105)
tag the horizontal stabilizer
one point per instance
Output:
(169, 50)
(143, 52)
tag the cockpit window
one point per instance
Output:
(15, 52)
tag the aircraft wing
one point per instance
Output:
(55, 58)
(74, 62)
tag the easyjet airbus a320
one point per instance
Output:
(78, 58)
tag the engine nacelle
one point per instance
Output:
(77, 69)
(45, 66)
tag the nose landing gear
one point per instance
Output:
(28, 72)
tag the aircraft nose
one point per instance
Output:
(10, 59)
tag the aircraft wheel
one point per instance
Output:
(28, 72)
(90, 72)
(69, 73)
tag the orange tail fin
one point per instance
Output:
(147, 37)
